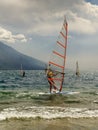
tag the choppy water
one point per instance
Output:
(20, 100)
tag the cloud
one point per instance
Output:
(41, 20)
(7, 36)
(27, 15)
(20, 37)
(80, 25)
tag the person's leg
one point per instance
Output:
(50, 87)
(53, 84)
(49, 81)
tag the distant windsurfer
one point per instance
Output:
(77, 73)
(77, 69)
(22, 73)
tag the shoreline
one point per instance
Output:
(54, 124)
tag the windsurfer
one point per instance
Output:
(77, 69)
(77, 73)
(56, 67)
(22, 72)
(50, 75)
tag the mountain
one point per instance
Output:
(12, 59)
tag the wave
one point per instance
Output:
(47, 112)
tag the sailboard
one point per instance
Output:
(77, 69)
(62, 93)
(58, 59)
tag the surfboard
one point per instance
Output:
(59, 93)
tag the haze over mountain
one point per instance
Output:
(12, 59)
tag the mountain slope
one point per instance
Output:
(12, 59)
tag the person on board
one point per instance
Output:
(77, 73)
(50, 74)
(23, 73)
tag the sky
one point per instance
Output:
(32, 27)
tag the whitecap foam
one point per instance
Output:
(47, 112)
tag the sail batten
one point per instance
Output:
(56, 64)
(58, 54)
(63, 35)
(60, 79)
(58, 58)
(61, 44)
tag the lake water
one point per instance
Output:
(23, 108)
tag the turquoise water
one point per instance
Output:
(20, 99)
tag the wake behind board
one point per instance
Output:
(59, 93)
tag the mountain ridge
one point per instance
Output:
(12, 59)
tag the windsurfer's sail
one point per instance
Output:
(58, 58)
(77, 69)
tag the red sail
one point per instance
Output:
(58, 58)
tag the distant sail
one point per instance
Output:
(58, 58)
(77, 69)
